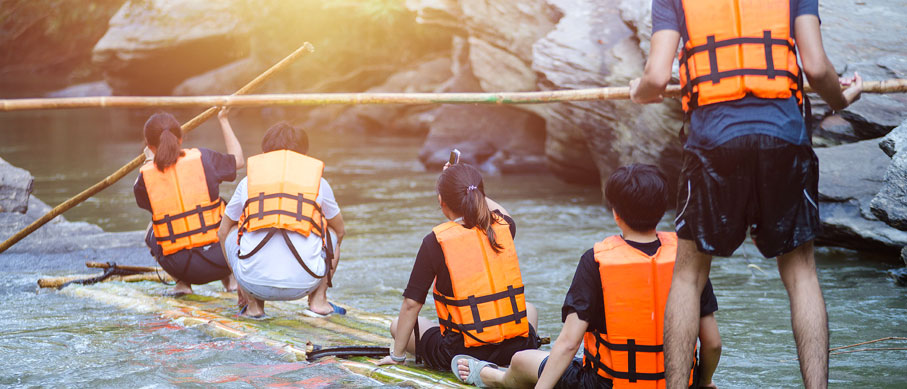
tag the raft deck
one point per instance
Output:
(286, 329)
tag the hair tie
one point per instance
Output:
(471, 187)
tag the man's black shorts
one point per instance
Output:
(754, 182)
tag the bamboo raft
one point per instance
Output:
(285, 330)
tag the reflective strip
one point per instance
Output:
(685, 204)
(810, 199)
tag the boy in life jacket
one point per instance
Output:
(282, 228)
(181, 189)
(614, 307)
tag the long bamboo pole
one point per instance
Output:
(138, 160)
(541, 97)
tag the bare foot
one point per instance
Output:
(181, 288)
(463, 369)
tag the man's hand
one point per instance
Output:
(634, 94)
(854, 86)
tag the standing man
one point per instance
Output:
(748, 162)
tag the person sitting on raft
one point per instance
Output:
(478, 293)
(181, 189)
(611, 307)
(283, 227)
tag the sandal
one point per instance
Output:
(475, 368)
(336, 309)
(242, 314)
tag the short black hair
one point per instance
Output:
(283, 136)
(638, 194)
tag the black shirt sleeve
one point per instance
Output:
(428, 261)
(585, 294)
(141, 193)
(218, 168)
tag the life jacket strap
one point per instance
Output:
(300, 199)
(631, 348)
(473, 302)
(198, 210)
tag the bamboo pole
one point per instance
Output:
(138, 160)
(293, 99)
(57, 282)
(140, 269)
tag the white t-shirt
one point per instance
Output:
(274, 265)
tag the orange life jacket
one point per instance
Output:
(488, 305)
(183, 214)
(635, 288)
(735, 48)
(283, 189)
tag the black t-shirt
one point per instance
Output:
(218, 168)
(585, 294)
(430, 265)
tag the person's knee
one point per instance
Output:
(393, 328)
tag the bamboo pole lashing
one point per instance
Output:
(311, 99)
(138, 160)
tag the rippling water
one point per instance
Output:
(389, 204)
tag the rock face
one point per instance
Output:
(15, 188)
(153, 45)
(849, 177)
(594, 46)
(890, 204)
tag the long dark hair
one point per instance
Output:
(462, 189)
(162, 131)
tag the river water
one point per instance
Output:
(389, 203)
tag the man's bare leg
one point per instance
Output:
(523, 371)
(681, 327)
(807, 313)
(229, 283)
(318, 299)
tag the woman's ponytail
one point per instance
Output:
(162, 131)
(462, 189)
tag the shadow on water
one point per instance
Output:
(389, 203)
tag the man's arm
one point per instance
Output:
(818, 68)
(655, 78)
(710, 351)
(563, 351)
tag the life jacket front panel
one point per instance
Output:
(635, 288)
(735, 48)
(183, 214)
(283, 189)
(488, 305)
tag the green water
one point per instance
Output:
(389, 204)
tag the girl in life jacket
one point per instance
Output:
(478, 290)
(282, 228)
(181, 189)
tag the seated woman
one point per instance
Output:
(283, 228)
(478, 289)
(181, 189)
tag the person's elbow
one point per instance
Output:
(817, 69)
(711, 346)
(240, 162)
(656, 77)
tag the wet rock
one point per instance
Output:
(895, 141)
(849, 176)
(899, 276)
(490, 130)
(904, 255)
(890, 204)
(153, 45)
(221, 81)
(593, 46)
(834, 130)
(15, 188)
(499, 70)
(97, 88)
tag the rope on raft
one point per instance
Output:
(863, 349)
(311, 99)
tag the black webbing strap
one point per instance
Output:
(510, 292)
(631, 348)
(712, 48)
(714, 45)
(769, 58)
(598, 364)
(300, 200)
(258, 247)
(292, 248)
(738, 72)
(328, 247)
(198, 210)
(485, 323)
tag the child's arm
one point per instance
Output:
(233, 146)
(710, 351)
(563, 351)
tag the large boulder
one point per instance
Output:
(593, 46)
(849, 176)
(15, 188)
(153, 45)
(890, 204)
